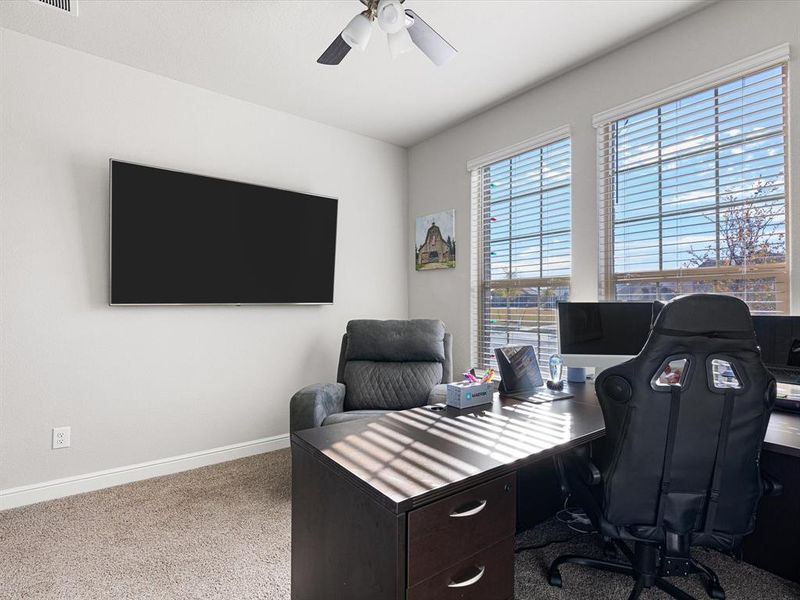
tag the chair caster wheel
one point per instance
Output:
(714, 591)
(554, 578)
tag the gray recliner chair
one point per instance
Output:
(383, 366)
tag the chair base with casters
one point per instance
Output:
(649, 561)
(648, 566)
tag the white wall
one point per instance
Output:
(716, 36)
(139, 384)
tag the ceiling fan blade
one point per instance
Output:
(431, 43)
(335, 52)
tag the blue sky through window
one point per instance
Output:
(526, 234)
(698, 184)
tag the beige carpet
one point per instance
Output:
(216, 532)
(222, 532)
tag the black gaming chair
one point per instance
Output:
(685, 420)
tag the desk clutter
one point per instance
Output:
(520, 378)
(473, 391)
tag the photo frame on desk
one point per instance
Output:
(519, 368)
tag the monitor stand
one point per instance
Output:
(600, 362)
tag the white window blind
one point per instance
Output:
(693, 195)
(521, 249)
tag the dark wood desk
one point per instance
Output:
(418, 504)
(783, 434)
(421, 504)
(775, 544)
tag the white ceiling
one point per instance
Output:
(265, 51)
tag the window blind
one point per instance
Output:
(693, 195)
(521, 249)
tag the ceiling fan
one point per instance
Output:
(403, 28)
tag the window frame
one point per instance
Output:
(607, 186)
(482, 283)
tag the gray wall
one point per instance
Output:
(140, 384)
(721, 34)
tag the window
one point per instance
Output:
(693, 196)
(521, 249)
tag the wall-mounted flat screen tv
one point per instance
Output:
(178, 238)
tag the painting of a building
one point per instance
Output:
(434, 250)
(435, 241)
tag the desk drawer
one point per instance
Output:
(488, 575)
(450, 530)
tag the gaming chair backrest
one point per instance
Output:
(703, 330)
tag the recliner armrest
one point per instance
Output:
(438, 395)
(310, 406)
(771, 486)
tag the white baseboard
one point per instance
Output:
(78, 484)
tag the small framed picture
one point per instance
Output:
(435, 241)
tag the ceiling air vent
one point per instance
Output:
(68, 6)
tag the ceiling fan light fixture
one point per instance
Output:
(358, 32)
(404, 29)
(391, 16)
(399, 42)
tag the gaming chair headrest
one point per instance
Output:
(705, 314)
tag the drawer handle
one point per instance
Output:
(469, 581)
(467, 510)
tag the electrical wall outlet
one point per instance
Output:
(61, 437)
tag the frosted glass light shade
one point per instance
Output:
(391, 16)
(358, 32)
(399, 42)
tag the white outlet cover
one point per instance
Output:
(61, 437)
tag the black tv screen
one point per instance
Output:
(178, 238)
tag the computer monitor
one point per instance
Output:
(603, 334)
(779, 339)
